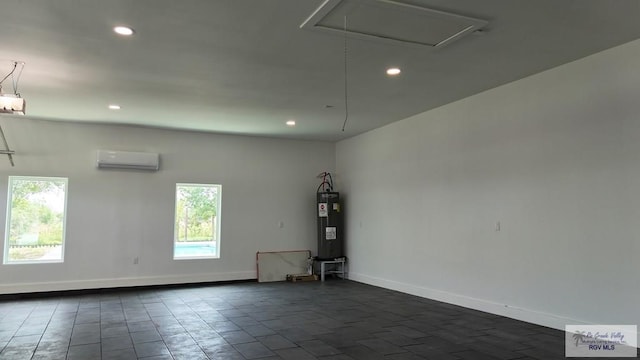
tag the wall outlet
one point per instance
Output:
(135, 260)
(497, 225)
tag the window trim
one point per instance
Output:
(217, 224)
(7, 232)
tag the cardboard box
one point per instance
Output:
(301, 277)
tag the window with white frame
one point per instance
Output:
(197, 221)
(36, 214)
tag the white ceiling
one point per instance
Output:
(245, 66)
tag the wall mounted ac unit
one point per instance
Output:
(110, 159)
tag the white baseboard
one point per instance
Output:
(530, 316)
(124, 282)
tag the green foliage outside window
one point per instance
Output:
(36, 217)
(196, 211)
(37, 208)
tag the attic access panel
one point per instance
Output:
(391, 21)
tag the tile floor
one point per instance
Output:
(336, 320)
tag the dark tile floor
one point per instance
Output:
(335, 320)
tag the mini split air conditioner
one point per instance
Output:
(110, 159)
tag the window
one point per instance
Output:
(197, 223)
(36, 209)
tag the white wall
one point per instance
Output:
(555, 158)
(115, 216)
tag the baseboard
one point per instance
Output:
(527, 315)
(50, 286)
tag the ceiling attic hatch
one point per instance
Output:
(392, 21)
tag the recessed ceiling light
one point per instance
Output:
(393, 71)
(291, 123)
(123, 30)
(114, 107)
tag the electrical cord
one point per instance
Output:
(324, 182)
(15, 65)
(320, 186)
(16, 80)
